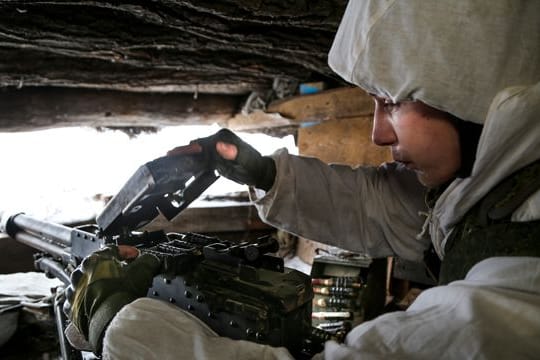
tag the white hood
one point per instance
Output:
(453, 55)
(510, 140)
(479, 60)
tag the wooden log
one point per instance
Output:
(39, 108)
(136, 45)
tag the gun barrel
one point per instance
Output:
(31, 240)
(55, 232)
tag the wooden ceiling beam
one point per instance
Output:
(47, 107)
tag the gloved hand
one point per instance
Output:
(247, 166)
(103, 283)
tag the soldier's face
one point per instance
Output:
(421, 137)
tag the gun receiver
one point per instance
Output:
(236, 289)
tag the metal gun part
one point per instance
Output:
(166, 185)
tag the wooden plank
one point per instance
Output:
(345, 141)
(212, 220)
(258, 120)
(327, 105)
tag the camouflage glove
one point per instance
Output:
(249, 167)
(101, 286)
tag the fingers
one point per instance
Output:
(146, 263)
(140, 273)
(193, 148)
(106, 253)
(126, 252)
(224, 142)
(121, 252)
(226, 150)
(76, 276)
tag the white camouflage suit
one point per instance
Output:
(478, 60)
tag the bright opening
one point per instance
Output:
(63, 175)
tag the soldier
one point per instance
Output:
(457, 94)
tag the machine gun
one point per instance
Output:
(236, 288)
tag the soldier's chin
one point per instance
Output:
(430, 180)
(425, 179)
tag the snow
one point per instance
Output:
(61, 175)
